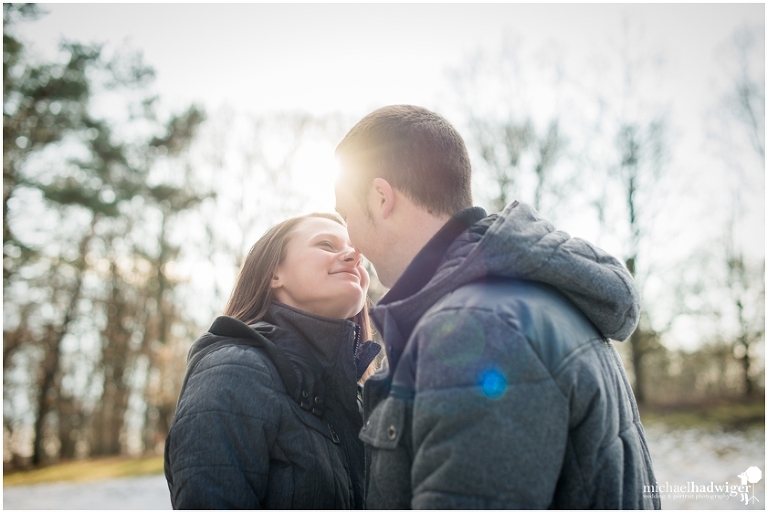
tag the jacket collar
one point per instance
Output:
(328, 352)
(335, 343)
(318, 351)
(331, 341)
(396, 329)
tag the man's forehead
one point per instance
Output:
(342, 191)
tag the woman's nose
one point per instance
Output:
(353, 256)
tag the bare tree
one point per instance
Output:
(742, 126)
(548, 150)
(517, 153)
(640, 149)
(54, 336)
(746, 100)
(746, 288)
(501, 146)
(631, 132)
(165, 311)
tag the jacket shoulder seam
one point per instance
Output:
(512, 328)
(587, 345)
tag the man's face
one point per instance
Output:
(359, 220)
(360, 224)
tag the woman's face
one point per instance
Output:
(321, 272)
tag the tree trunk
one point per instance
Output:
(70, 421)
(155, 420)
(46, 392)
(110, 416)
(117, 357)
(49, 381)
(745, 366)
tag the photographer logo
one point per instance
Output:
(744, 490)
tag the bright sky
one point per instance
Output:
(355, 57)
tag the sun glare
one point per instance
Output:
(315, 174)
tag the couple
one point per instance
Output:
(500, 388)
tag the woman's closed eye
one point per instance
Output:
(327, 244)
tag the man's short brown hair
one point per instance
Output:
(415, 150)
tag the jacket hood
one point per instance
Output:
(519, 243)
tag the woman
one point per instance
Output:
(268, 414)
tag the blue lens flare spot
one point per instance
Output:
(493, 383)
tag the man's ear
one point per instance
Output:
(384, 197)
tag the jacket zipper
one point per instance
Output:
(357, 340)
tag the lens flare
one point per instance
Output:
(493, 383)
(457, 341)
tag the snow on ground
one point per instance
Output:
(706, 459)
(146, 492)
(679, 456)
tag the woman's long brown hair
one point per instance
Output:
(252, 295)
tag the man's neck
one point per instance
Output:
(420, 229)
(424, 227)
(422, 266)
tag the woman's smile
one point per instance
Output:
(319, 249)
(348, 272)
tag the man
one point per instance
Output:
(502, 388)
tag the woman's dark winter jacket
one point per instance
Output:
(504, 390)
(268, 416)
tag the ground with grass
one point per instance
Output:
(727, 414)
(102, 468)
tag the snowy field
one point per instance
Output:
(707, 459)
(702, 458)
(147, 492)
